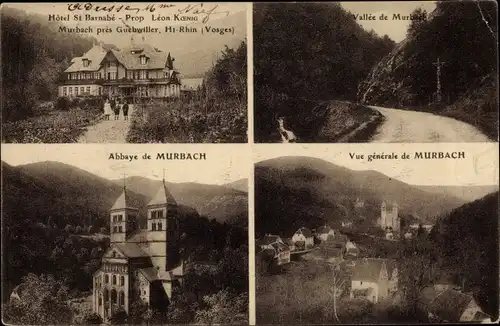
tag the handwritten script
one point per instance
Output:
(205, 11)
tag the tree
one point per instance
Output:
(224, 308)
(119, 318)
(42, 302)
(92, 319)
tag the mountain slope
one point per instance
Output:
(291, 192)
(240, 185)
(467, 240)
(213, 201)
(467, 193)
(83, 199)
(462, 35)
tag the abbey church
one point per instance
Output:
(389, 218)
(140, 264)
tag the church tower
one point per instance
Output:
(123, 218)
(383, 215)
(395, 217)
(162, 229)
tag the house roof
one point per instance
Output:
(150, 273)
(139, 237)
(450, 305)
(447, 305)
(288, 241)
(131, 250)
(95, 56)
(324, 229)
(129, 57)
(305, 231)
(122, 201)
(268, 239)
(368, 270)
(162, 197)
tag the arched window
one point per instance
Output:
(106, 295)
(120, 229)
(114, 296)
(114, 279)
(122, 280)
(154, 227)
(106, 278)
(122, 298)
(159, 226)
(115, 229)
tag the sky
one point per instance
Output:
(395, 29)
(480, 167)
(225, 163)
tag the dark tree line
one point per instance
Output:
(467, 242)
(312, 51)
(34, 54)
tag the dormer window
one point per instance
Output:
(143, 59)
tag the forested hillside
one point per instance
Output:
(463, 36)
(466, 240)
(34, 54)
(307, 51)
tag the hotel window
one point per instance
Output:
(82, 89)
(88, 89)
(113, 75)
(71, 91)
(64, 91)
(85, 62)
(147, 74)
(142, 74)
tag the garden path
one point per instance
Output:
(108, 131)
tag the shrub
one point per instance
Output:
(62, 103)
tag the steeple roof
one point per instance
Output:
(162, 197)
(122, 201)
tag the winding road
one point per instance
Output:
(404, 126)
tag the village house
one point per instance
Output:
(303, 238)
(450, 305)
(140, 70)
(140, 264)
(373, 279)
(274, 244)
(323, 232)
(351, 250)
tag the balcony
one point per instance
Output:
(121, 81)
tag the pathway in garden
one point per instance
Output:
(108, 131)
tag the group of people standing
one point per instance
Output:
(114, 107)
